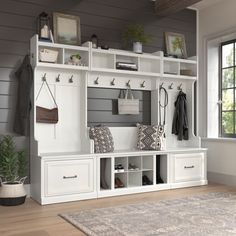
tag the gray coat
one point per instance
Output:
(25, 79)
(180, 120)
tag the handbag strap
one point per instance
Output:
(163, 106)
(129, 91)
(45, 81)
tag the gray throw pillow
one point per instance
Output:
(149, 137)
(103, 140)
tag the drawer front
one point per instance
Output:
(69, 177)
(188, 167)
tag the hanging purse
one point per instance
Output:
(45, 115)
(128, 106)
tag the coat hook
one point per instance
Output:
(143, 84)
(44, 77)
(113, 82)
(171, 86)
(58, 78)
(96, 81)
(180, 87)
(161, 84)
(71, 79)
(128, 84)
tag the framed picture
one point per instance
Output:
(66, 29)
(175, 45)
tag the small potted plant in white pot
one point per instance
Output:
(12, 173)
(134, 33)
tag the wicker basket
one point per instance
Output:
(48, 55)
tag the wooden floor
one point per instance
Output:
(31, 219)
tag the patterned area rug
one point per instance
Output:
(209, 214)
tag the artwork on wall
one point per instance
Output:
(66, 29)
(175, 45)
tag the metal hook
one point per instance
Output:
(58, 78)
(180, 87)
(113, 82)
(96, 81)
(161, 85)
(171, 86)
(44, 77)
(128, 84)
(71, 79)
(143, 84)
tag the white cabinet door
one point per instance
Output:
(188, 167)
(69, 177)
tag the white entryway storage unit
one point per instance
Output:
(64, 166)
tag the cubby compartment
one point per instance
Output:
(161, 169)
(105, 174)
(171, 67)
(127, 59)
(134, 163)
(147, 178)
(83, 53)
(103, 60)
(52, 55)
(121, 180)
(134, 179)
(188, 69)
(149, 65)
(121, 164)
(147, 163)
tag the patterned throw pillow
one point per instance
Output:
(103, 140)
(149, 137)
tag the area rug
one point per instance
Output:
(209, 214)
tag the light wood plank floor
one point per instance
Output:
(31, 219)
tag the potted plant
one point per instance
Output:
(12, 172)
(134, 33)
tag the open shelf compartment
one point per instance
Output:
(105, 174)
(161, 169)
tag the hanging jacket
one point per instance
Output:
(180, 119)
(25, 79)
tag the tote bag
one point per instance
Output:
(45, 115)
(128, 106)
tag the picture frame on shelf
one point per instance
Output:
(175, 45)
(66, 29)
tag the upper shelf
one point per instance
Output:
(105, 61)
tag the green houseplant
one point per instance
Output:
(12, 173)
(134, 33)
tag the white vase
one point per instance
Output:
(12, 194)
(137, 47)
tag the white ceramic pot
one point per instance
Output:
(137, 47)
(12, 194)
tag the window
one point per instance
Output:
(227, 85)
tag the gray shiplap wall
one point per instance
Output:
(106, 18)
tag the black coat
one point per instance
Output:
(180, 120)
(25, 79)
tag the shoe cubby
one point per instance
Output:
(121, 180)
(105, 174)
(134, 179)
(147, 177)
(161, 169)
(134, 163)
(121, 164)
(147, 163)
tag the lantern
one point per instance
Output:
(44, 27)
(94, 40)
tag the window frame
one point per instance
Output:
(221, 89)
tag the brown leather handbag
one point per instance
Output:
(45, 115)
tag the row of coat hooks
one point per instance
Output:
(57, 79)
(171, 86)
(112, 83)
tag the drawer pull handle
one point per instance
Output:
(70, 177)
(188, 167)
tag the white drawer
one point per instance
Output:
(69, 177)
(188, 167)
